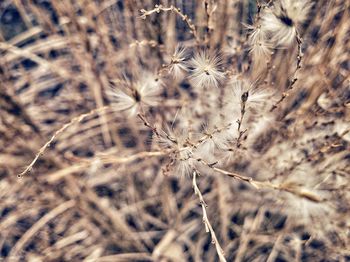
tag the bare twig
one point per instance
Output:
(208, 227)
(294, 78)
(244, 99)
(142, 43)
(56, 134)
(146, 123)
(158, 8)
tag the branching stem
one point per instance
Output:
(57, 133)
(158, 8)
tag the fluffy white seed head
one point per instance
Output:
(212, 139)
(283, 19)
(183, 160)
(178, 66)
(282, 34)
(256, 33)
(206, 72)
(143, 93)
(149, 88)
(296, 10)
(256, 97)
(122, 101)
(259, 46)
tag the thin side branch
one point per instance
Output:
(143, 43)
(57, 133)
(227, 173)
(266, 184)
(158, 8)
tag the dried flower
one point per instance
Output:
(177, 65)
(213, 138)
(254, 98)
(259, 46)
(206, 70)
(284, 18)
(182, 159)
(144, 93)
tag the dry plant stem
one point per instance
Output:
(259, 6)
(210, 135)
(244, 99)
(57, 133)
(158, 8)
(250, 180)
(146, 123)
(208, 30)
(265, 184)
(39, 224)
(269, 70)
(163, 69)
(230, 174)
(189, 143)
(295, 191)
(136, 256)
(127, 159)
(208, 227)
(104, 160)
(143, 43)
(294, 79)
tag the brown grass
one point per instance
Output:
(82, 181)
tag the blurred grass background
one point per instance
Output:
(57, 58)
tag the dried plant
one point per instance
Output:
(178, 131)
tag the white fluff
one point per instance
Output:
(178, 66)
(283, 19)
(206, 71)
(142, 94)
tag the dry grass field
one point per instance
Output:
(179, 130)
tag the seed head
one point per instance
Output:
(206, 70)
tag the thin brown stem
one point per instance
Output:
(158, 8)
(57, 133)
(294, 78)
(208, 226)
